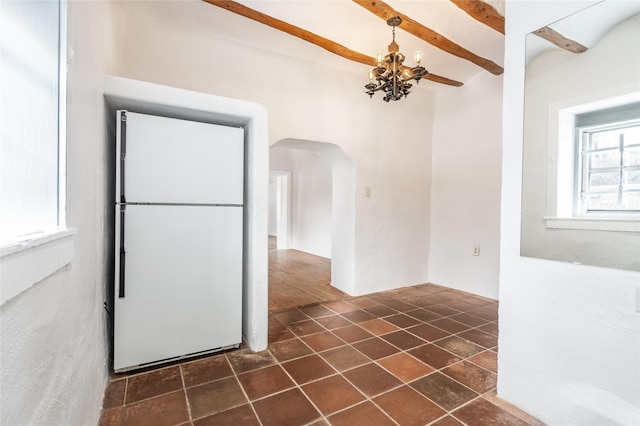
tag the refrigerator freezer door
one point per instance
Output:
(181, 162)
(183, 283)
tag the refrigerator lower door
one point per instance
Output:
(182, 283)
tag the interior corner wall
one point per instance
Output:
(569, 334)
(54, 348)
(322, 104)
(311, 195)
(465, 189)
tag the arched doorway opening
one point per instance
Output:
(342, 203)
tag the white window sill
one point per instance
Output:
(26, 262)
(593, 223)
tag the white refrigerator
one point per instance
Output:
(178, 239)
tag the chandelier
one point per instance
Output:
(390, 75)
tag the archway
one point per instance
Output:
(343, 207)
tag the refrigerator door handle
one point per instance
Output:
(122, 254)
(123, 152)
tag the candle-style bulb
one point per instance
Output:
(371, 76)
(418, 57)
(379, 60)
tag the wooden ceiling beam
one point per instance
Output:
(310, 37)
(482, 12)
(384, 11)
(552, 36)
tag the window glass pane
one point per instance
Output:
(609, 158)
(631, 201)
(632, 156)
(602, 201)
(631, 179)
(29, 114)
(631, 135)
(604, 181)
(605, 139)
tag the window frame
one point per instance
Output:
(582, 169)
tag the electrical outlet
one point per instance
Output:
(476, 250)
(367, 192)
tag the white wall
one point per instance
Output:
(465, 189)
(315, 103)
(562, 80)
(569, 334)
(54, 348)
(310, 199)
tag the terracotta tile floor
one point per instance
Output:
(422, 355)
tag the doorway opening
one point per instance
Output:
(311, 223)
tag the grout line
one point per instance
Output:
(186, 397)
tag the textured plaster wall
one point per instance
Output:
(310, 199)
(391, 227)
(465, 189)
(552, 82)
(53, 346)
(569, 334)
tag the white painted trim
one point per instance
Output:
(26, 262)
(593, 223)
(157, 99)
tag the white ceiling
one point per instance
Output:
(343, 22)
(586, 26)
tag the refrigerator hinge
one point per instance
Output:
(123, 152)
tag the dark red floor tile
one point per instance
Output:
(434, 356)
(400, 306)
(243, 361)
(332, 394)
(153, 383)
(450, 325)
(468, 319)
(365, 414)
(322, 341)
(290, 317)
(340, 306)
(114, 393)
(280, 333)
(378, 326)
(408, 407)
(403, 340)
(333, 321)
(265, 381)
(428, 333)
(308, 368)
(405, 367)
(472, 376)
(375, 348)
(459, 346)
(304, 328)
(344, 358)
(443, 310)
(402, 320)
(481, 412)
(289, 349)
(317, 311)
(111, 416)
(287, 408)
(381, 311)
(487, 312)
(352, 333)
(358, 316)
(206, 370)
(491, 328)
(480, 338)
(424, 315)
(447, 421)
(238, 416)
(215, 397)
(165, 410)
(487, 360)
(443, 390)
(372, 379)
(364, 302)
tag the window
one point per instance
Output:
(32, 113)
(609, 169)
